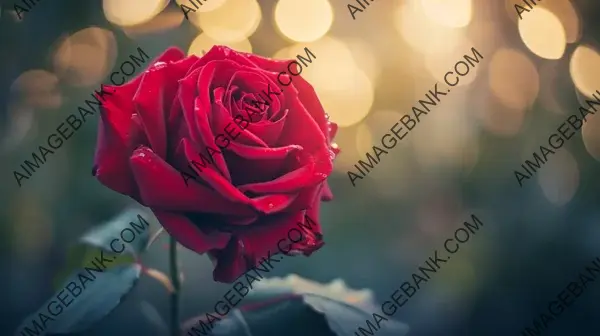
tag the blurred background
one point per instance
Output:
(368, 72)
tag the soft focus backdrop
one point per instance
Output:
(368, 72)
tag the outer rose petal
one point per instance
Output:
(189, 235)
(248, 247)
(111, 165)
(169, 193)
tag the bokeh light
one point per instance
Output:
(585, 69)
(132, 12)
(364, 58)
(499, 119)
(440, 62)
(423, 34)
(559, 177)
(591, 137)
(543, 33)
(86, 57)
(38, 89)
(170, 18)
(513, 78)
(231, 22)
(203, 43)
(205, 6)
(568, 16)
(344, 90)
(448, 13)
(290, 18)
(21, 122)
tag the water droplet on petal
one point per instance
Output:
(157, 65)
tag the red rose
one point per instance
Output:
(271, 174)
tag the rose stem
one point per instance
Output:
(175, 331)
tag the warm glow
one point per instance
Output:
(513, 78)
(203, 5)
(37, 88)
(448, 139)
(282, 54)
(132, 12)
(456, 13)
(168, 19)
(203, 43)
(585, 69)
(364, 139)
(559, 177)
(231, 22)
(364, 57)
(591, 136)
(568, 16)
(420, 32)
(291, 19)
(499, 119)
(543, 33)
(345, 91)
(350, 105)
(86, 57)
(442, 61)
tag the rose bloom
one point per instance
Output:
(270, 176)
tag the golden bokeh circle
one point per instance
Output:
(543, 33)
(290, 19)
(231, 22)
(584, 67)
(132, 12)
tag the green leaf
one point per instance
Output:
(96, 277)
(290, 317)
(83, 306)
(131, 222)
(295, 307)
(345, 319)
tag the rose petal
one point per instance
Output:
(187, 97)
(263, 154)
(172, 54)
(250, 244)
(311, 102)
(327, 195)
(311, 137)
(305, 199)
(305, 176)
(221, 118)
(189, 235)
(333, 128)
(208, 137)
(189, 152)
(229, 262)
(257, 81)
(271, 131)
(169, 193)
(137, 134)
(111, 161)
(263, 162)
(156, 91)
